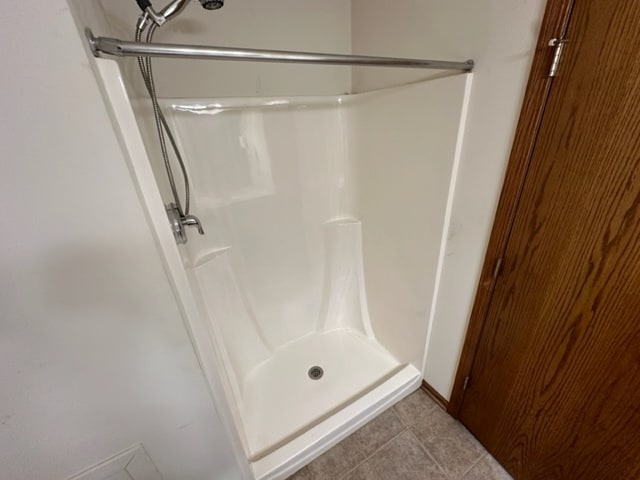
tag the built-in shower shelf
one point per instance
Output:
(207, 255)
(353, 364)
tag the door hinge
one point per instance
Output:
(558, 45)
(497, 268)
(465, 384)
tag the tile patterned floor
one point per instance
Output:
(414, 440)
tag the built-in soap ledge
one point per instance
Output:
(343, 221)
(205, 256)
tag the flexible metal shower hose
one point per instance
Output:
(162, 127)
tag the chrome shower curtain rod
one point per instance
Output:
(122, 48)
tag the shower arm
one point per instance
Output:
(122, 48)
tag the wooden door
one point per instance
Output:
(554, 391)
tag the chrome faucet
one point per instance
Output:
(178, 223)
(192, 221)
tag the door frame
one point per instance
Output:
(554, 25)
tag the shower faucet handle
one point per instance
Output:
(178, 223)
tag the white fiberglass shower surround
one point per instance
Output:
(309, 295)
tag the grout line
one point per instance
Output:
(429, 454)
(395, 412)
(474, 464)
(405, 429)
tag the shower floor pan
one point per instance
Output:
(281, 400)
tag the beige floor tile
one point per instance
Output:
(337, 461)
(378, 432)
(401, 459)
(487, 469)
(452, 446)
(363, 472)
(434, 447)
(414, 406)
(356, 448)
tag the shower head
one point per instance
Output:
(212, 4)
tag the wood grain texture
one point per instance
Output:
(554, 25)
(555, 385)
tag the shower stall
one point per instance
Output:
(309, 295)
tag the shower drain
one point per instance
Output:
(315, 373)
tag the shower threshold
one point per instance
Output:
(281, 399)
(307, 446)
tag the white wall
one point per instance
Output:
(94, 356)
(308, 25)
(500, 36)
